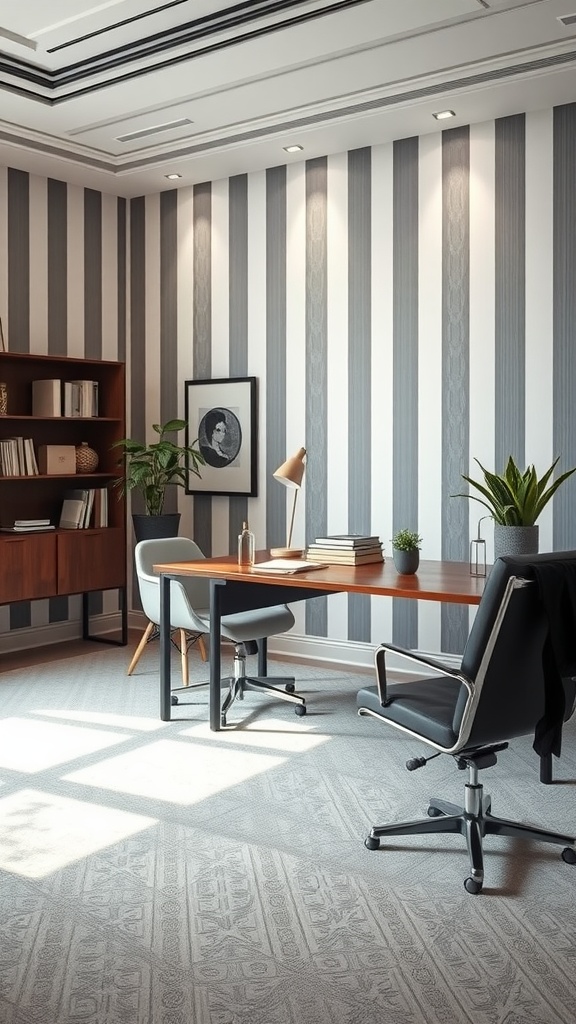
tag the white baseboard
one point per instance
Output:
(320, 650)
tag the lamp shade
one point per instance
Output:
(290, 473)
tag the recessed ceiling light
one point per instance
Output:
(292, 149)
(172, 177)
(442, 114)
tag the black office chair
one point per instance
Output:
(509, 684)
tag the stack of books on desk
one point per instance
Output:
(346, 549)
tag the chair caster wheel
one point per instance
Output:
(372, 844)
(472, 886)
(433, 812)
(290, 687)
(173, 699)
(569, 855)
(300, 710)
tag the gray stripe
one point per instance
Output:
(238, 318)
(121, 215)
(202, 333)
(57, 214)
(57, 268)
(510, 299)
(168, 321)
(93, 304)
(359, 363)
(405, 357)
(455, 366)
(20, 614)
(137, 427)
(316, 611)
(564, 358)
(275, 377)
(18, 326)
(92, 274)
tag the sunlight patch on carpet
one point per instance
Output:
(272, 733)
(106, 718)
(30, 746)
(176, 772)
(41, 832)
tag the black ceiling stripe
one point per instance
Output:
(51, 80)
(219, 19)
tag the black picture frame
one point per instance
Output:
(221, 421)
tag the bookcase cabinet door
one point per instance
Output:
(28, 567)
(91, 560)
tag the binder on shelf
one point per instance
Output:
(72, 514)
(47, 397)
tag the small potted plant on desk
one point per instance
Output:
(406, 551)
(150, 469)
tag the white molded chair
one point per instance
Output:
(190, 611)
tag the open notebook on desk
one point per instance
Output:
(287, 566)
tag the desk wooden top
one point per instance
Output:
(450, 582)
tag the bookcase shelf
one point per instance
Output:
(62, 562)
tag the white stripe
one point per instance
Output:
(220, 328)
(337, 439)
(109, 277)
(38, 265)
(296, 353)
(4, 250)
(152, 312)
(185, 325)
(257, 337)
(381, 371)
(75, 270)
(430, 371)
(482, 314)
(539, 305)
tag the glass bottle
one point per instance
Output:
(246, 546)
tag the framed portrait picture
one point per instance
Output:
(221, 420)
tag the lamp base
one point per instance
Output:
(286, 552)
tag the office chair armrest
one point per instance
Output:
(437, 666)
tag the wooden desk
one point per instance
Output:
(234, 589)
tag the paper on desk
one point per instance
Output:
(287, 565)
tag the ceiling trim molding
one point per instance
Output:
(19, 71)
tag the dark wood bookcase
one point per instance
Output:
(63, 562)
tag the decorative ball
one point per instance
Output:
(86, 458)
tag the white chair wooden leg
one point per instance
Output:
(140, 648)
(184, 657)
(202, 646)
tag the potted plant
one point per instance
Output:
(406, 551)
(150, 469)
(515, 501)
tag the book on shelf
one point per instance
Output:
(84, 507)
(335, 556)
(347, 541)
(31, 522)
(27, 529)
(17, 457)
(47, 397)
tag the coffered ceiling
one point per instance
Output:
(118, 94)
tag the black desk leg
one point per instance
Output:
(165, 652)
(215, 657)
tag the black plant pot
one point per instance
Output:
(153, 527)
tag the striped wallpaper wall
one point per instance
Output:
(405, 309)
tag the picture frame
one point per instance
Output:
(221, 421)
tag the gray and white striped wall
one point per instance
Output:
(405, 308)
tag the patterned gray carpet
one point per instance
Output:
(157, 873)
